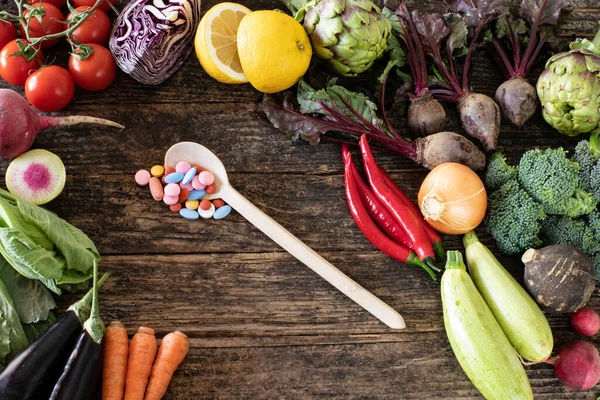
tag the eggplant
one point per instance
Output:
(33, 372)
(81, 374)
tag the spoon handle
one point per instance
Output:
(308, 256)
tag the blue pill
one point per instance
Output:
(222, 212)
(196, 194)
(174, 177)
(189, 214)
(187, 178)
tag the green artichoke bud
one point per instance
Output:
(569, 88)
(350, 34)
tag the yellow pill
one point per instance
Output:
(192, 204)
(157, 171)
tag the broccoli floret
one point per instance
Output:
(594, 223)
(571, 232)
(514, 218)
(589, 167)
(553, 180)
(498, 172)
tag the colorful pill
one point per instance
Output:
(168, 170)
(175, 207)
(187, 178)
(172, 189)
(171, 200)
(157, 171)
(156, 188)
(210, 189)
(142, 177)
(183, 167)
(206, 214)
(189, 214)
(222, 212)
(174, 177)
(205, 205)
(191, 204)
(196, 194)
(196, 184)
(206, 178)
(183, 195)
(218, 203)
(187, 186)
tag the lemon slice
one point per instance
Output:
(216, 42)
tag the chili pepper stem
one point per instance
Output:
(440, 253)
(413, 259)
(430, 262)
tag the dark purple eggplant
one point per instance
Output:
(33, 372)
(81, 374)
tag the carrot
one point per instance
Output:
(116, 350)
(142, 351)
(171, 353)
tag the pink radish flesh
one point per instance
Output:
(37, 177)
(19, 124)
(585, 321)
(577, 365)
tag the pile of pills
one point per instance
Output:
(182, 189)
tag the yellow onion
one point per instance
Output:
(452, 199)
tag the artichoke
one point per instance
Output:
(569, 88)
(349, 34)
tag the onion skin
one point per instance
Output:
(452, 199)
(148, 43)
(517, 99)
(426, 115)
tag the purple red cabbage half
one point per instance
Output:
(151, 39)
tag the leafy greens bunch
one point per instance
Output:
(547, 199)
(40, 252)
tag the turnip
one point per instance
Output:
(444, 39)
(585, 321)
(516, 96)
(19, 124)
(577, 365)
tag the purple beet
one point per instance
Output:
(19, 124)
(517, 99)
(426, 115)
(480, 118)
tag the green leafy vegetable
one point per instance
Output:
(12, 335)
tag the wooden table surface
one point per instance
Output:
(261, 324)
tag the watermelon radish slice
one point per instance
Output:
(37, 176)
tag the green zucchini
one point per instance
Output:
(521, 319)
(482, 349)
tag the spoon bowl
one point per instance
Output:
(205, 159)
(199, 156)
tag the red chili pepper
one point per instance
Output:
(367, 225)
(411, 224)
(379, 213)
(434, 237)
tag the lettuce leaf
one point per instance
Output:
(12, 336)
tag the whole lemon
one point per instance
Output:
(274, 50)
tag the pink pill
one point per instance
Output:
(186, 186)
(183, 167)
(206, 178)
(196, 184)
(172, 189)
(142, 177)
(171, 200)
(156, 188)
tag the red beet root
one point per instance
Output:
(19, 124)
(585, 321)
(577, 365)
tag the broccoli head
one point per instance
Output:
(553, 180)
(594, 223)
(571, 232)
(514, 218)
(498, 172)
(589, 170)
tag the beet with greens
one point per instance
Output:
(516, 96)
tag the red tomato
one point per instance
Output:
(16, 69)
(57, 3)
(50, 88)
(96, 72)
(8, 32)
(51, 23)
(95, 29)
(104, 6)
